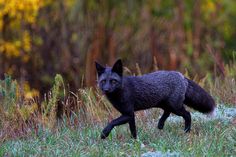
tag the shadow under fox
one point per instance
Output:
(168, 90)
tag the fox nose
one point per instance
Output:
(106, 89)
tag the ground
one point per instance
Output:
(210, 136)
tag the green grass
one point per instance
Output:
(207, 138)
(33, 133)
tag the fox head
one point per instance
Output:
(110, 78)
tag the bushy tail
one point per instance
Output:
(198, 99)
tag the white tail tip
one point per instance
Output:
(212, 113)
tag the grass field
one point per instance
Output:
(31, 128)
(209, 137)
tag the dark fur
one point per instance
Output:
(198, 99)
(168, 90)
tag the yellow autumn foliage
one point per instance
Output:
(30, 93)
(208, 7)
(9, 49)
(26, 41)
(18, 12)
(27, 9)
(26, 111)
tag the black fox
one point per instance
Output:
(168, 90)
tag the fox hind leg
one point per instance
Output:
(163, 118)
(187, 117)
(177, 107)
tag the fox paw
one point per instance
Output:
(134, 136)
(160, 125)
(187, 130)
(103, 136)
(105, 132)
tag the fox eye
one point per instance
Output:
(113, 81)
(103, 81)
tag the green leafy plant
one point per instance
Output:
(50, 107)
(8, 93)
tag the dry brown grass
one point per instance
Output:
(23, 116)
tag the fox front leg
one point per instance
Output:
(118, 121)
(133, 127)
(163, 118)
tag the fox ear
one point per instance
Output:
(100, 68)
(118, 68)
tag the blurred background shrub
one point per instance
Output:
(39, 38)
